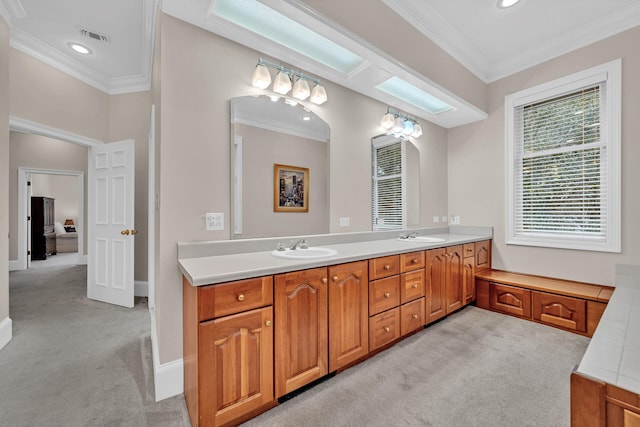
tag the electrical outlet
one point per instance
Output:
(455, 220)
(436, 219)
(214, 221)
(445, 219)
(345, 221)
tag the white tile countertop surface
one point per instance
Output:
(613, 355)
(244, 261)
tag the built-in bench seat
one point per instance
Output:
(574, 306)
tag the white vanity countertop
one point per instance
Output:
(614, 351)
(208, 270)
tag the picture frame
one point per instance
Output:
(290, 188)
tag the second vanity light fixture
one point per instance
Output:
(282, 82)
(397, 123)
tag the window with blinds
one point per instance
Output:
(562, 183)
(388, 183)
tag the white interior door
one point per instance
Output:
(111, 230)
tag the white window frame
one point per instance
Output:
(379, 142)
(610, 74)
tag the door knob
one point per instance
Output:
(125, 232)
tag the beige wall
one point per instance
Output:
(200, 72)
(64, 189)
(47, 96)
(4, 169)
(477, 171)
(39, 152)
(261, 149)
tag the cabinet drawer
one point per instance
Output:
(384, 294)
(384, 328)
(234, 297)
(468, 250)
(510, 300)
(557, 310)
(412, 316)
(411, 261)
(411, 286)
(384, 267)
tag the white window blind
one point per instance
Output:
(564, 189)
(388, 184)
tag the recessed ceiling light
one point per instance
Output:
(80, 48)
(503, 4)
(306, 118)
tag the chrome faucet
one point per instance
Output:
(302, 244)
(412, 235)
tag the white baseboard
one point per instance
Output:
(168, 378)
(5, 332)
(14, 264)
(82, 259)
(140, 288)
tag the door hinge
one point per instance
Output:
(28, 253)
(28, 183)
(28, 218)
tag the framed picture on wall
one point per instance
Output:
(290, 189)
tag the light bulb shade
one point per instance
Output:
(408, 127)
(387, 121)
(417, 130)
(398, 125)
(282, 83)
(301, 90)
(318, 94)
(261, 77)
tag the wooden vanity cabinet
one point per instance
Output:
(301, 329)
(559, 310)
(454, 288)
(227, 336)
(436, 282)
(348, 313)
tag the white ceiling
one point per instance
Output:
(492, 43)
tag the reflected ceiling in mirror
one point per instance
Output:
(266, 131)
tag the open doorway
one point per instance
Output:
(63, 193)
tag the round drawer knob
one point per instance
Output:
(387, 329)
(241, 297)
(387, 295)
(387, 267)
(335, 278)
(267, 323)
(415, 316)
(414, 286)
(324, 280)
(414, 261)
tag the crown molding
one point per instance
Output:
(17, 124)
(46, 53)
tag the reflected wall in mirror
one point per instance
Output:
(266, 131)
(395, 183)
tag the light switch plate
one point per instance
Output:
(214, 221)
(436, 219)
(444, 219)
(345, 221)
(455, 220)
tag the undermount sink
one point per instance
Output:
(421, 239)
(309, 253)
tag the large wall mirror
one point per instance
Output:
(266, 132)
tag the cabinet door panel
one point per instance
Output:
(455, 285)
(236, 365)
(301, 328)
(565, 312)
(435, 303)
(469, 279)
(483, 255)
(348, 313)
(511, 300)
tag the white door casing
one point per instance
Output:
(111, 228)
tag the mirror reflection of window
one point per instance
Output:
(395, 183)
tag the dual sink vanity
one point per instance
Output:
(259, 324)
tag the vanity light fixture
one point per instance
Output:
(398, 123)
(282, 82)
(503, 4)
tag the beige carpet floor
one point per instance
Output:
(76, 362)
